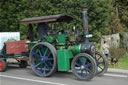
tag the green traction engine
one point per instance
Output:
(66, 51)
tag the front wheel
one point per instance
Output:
(84, 66)
(3, 65)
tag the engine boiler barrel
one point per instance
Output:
(83, 48)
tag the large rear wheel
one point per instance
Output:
(43, 59)
(102, 63)
(84, 66)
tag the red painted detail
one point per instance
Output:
(1, 65)
(16, 47)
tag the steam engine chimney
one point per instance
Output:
(85, 21)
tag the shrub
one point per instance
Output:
(117, 52)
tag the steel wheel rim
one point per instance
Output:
(45, 62)
(85, 68)
(1, 65)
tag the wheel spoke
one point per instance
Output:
(37, 60)
(46, 52)
(33, 53)
(80, 60)
(88, 65)
(49, 58)
(100, 68)
(86, 73)
(85, 61)
(89, 70)
(41, 66)
(50, 63)
(77, 64)
(49, 54)
(40, 53)
(37, 65)
(48, 67)
(99, 58)
(42, 50)
(44, 69)
(81, 72)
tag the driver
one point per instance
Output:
(42, 29)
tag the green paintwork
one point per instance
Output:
(49, 39)
(64, 55)
(60, 46)
(75, 49)
(61, 38)
(63, 59)
(31, 44)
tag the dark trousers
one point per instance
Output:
(107, 55)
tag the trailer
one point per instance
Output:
(17, 50)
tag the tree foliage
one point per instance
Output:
(101, 14)
(119, 16)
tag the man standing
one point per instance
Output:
(105, 49)
(42, 30)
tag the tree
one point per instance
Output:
(119, 16)
(12, 11)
